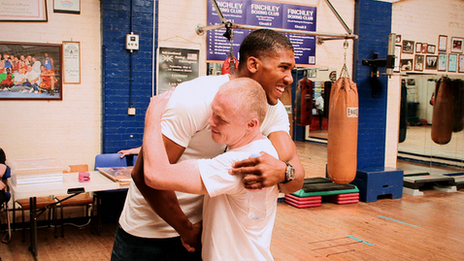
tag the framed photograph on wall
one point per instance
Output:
(431, 48)
(456, 44)
(419, 63)
(431, 62)
(442, 59)
(408, 46)
(67, 6)
(418, 47)
(71, 62)
(452, 62)
(32, 71)
(442, 43)
(406, 64)
(424, 47)
(23, 11)
(461, 63)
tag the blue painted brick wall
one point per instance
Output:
(121, 131)
(372, 25)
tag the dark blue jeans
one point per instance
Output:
(130, 248)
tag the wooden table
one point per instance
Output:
(70, 186)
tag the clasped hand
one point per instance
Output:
(265, 171)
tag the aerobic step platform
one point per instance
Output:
(317, 189)
(415, 183)
(458, 179)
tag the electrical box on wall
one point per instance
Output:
(132, 42)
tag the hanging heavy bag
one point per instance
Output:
(303, 102)
(343, 131)
(403, 113)
(230, 65)
(458, 106)
(442, 117)
(327, 90)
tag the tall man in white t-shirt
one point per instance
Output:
(151, 225)
(238, 109)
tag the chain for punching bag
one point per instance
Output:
(342, 141)
(231, 63)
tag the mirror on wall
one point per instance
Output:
(321, 81)
(415, 140)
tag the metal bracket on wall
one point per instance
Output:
(388, 63)
(375, 63)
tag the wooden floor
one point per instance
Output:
(428, 227)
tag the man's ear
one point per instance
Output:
(253, 64)
(253, 123)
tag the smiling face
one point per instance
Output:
(238, 109)
(274, 73)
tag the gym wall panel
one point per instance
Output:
(69, 130)
(372, 25)
(127, 77)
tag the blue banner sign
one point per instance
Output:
(265, 14)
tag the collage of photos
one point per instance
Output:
(446, 56)
(30, 71)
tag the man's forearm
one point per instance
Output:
(163, 202)
(297, 183)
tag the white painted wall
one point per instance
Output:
(69, 130)
(419, 21)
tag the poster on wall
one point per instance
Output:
(30, 71)
(264, 14)
(23, 11)
(176, 65)
(71, 62)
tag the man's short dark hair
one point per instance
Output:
(262, 43)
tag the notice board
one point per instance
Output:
(265, 14)
(176, 65)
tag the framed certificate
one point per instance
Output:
(71, 62)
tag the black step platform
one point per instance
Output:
(414, 183)
(458, 179)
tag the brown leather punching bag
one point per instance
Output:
(442, 117)
(343, 131)
(458, 105)
(303, 102)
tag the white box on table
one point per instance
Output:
(36, 171)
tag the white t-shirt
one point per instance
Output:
(320, 103)
(185, 121)
(228, 232)
(32, 75)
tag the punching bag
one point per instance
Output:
(442, 117)
(342, 138)
(304, 102)
(230, 65)
(458, 106)
(403, 112)
(327, 90)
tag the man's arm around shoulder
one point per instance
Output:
(268, 171)
(164, 202)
